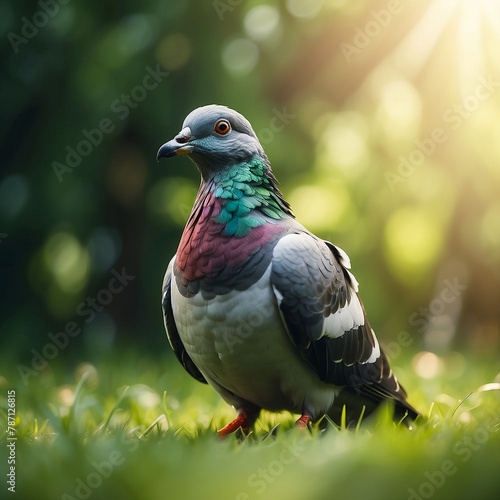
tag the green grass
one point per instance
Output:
(139, 428)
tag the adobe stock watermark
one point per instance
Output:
(462, 450)
(120, 107)
(87, 309)
(379, 20)
(451, 291)
(453, 118)
(260, 479)
(100, 471)
(420, 319)
(11, 439)
(30, 28)
(223, 6)
(277, 124)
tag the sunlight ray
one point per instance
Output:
(470, 53)
(492, 16)
(414, 51)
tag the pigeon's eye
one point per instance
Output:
(222, 127)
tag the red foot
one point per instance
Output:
(303, 421)
(239, 421)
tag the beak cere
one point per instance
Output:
(177, 146)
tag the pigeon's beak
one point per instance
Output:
(179, 145)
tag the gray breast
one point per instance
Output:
(239, 342)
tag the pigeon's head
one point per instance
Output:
(215, 138)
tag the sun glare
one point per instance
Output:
(479, 25)
(467, 27)
(486, 11)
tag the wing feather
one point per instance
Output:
(325, 318)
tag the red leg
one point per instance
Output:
(247, 415)
(239, 421)
(303, 421)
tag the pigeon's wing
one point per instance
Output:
(325, 318)
(171, 327)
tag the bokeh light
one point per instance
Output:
(262, 23)
(412, 242)
(67, 261)
(240, 56)
(14, 192)
(428, 365)
(304, 9)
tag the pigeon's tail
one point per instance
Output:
(361, 406)
(405, 410)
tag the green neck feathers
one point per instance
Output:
(248, 196)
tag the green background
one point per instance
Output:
(380, 120)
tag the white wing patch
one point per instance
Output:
(376, 351)
(279, 295)
(344, 258)
(346, 262)
(346, 318)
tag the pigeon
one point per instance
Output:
(254, 304)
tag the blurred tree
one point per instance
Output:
(381, 115)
